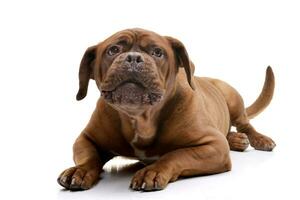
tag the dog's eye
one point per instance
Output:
(113, 50)
(157, 52)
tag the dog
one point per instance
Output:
(154, 109)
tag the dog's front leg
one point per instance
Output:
(88, 166)
(209, 158)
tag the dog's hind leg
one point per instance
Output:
(237, 141)
(240, 120)
(256, 139)
(239, 117)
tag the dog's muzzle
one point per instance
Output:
(132, 82)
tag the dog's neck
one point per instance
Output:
(141, 129)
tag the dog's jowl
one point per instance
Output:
(153, 108)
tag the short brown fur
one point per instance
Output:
(187, 133)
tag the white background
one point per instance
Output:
(41, 45)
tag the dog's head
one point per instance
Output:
(134, 68)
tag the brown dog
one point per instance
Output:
(154, 109)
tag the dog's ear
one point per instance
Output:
(86, 71)
(182, 59)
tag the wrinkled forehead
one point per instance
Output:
(139, 37)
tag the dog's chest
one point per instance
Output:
(141, 137)
(142, 152)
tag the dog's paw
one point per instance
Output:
(261, 142)
(78, 178)
(237, 141)
(151, 178)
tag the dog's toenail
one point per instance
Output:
(155, 185)
(64, 179)
(73, 181)
(143, 186)
(134, 185)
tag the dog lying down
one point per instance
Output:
(152, 108)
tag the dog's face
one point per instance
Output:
(134, 69)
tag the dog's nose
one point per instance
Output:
(134, 57)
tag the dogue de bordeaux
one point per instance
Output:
(154, 109)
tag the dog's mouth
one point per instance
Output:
(131, 92)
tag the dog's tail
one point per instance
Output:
(265, 96)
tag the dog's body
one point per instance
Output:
(155, 111)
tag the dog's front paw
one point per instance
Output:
(152, 177)
(78, 178)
